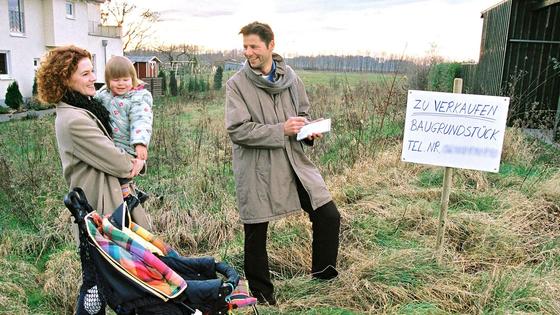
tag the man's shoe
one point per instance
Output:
(262, 299)
(326, 274)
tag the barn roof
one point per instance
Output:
(140, 58)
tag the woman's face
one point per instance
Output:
(83, 79)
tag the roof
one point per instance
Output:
(492, 7)
(139, 58)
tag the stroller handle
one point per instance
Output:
(77, 204)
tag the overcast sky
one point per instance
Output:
(312, 27)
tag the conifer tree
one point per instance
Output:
(173, 84)
(161, 74)
(14, 99)
(218, 78)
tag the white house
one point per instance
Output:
(29, 28)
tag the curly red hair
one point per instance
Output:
(56, 69)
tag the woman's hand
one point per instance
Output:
(141, 152)
(137, 166)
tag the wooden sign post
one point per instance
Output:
(447, 180)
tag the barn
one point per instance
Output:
(520, 58)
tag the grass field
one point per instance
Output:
(337, 78)
(502, 249)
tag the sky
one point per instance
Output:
(342, 27)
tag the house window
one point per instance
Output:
(17, 21)
(3, 63)
(36, 63)
(70, 13)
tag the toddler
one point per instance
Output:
(130, 109)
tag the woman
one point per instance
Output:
(89, 158)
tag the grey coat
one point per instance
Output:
(265, 162)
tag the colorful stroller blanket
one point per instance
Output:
(138, 261)
(139, 274)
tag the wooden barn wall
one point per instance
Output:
(486, 78)
(530, 76)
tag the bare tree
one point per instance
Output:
(137, 24)
(179, 55)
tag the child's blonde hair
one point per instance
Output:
(120, 67)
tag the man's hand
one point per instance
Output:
(141, 152)
(314, 136)
(137, 166)
(293, 125)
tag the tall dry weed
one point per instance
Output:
(62, 279)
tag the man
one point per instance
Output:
(266, 106)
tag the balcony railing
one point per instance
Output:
(96, 29)
(17, 22)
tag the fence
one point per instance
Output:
(96, 29)
(154, 85)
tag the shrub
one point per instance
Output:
(218, 78)
(441, 76)
(14, 99)
(173, 84)
(201, 85)
(163, 77)
(192, 84)
(34, 88)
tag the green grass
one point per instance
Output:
(431, 178)
(374, 233)
(325, 311)
(523, 171)
(472, 201)
(420, 308)
(414, 272)
(511, 293)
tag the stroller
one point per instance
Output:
(136, 273)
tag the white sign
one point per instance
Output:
(455, 130)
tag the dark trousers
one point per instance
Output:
(326, 227)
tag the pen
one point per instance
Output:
(313, 121)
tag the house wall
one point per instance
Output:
(22, 49)
(46, 27)
(102, 54)
(154, 71)
(61, 30)
(141, 73)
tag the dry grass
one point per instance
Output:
(62, 279)
(502, 244)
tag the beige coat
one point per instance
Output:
(91, 161)
(264, 160)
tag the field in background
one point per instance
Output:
(502, 252)
(334, 79)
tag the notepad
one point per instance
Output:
(320, 126)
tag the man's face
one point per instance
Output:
(257, 53)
